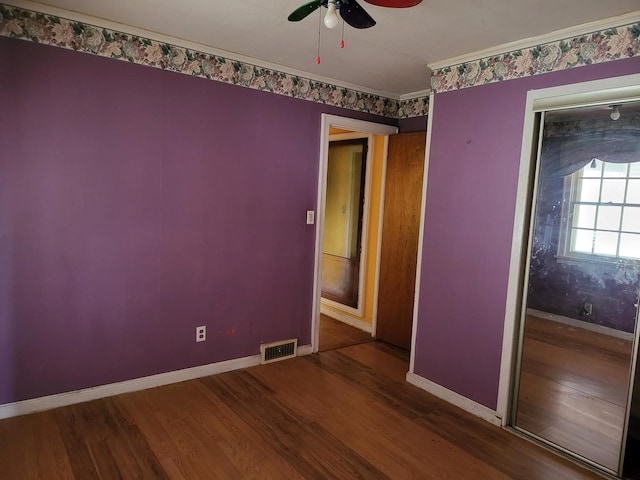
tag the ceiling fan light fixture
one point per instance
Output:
(331, 19)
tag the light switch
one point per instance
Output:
(311, 217)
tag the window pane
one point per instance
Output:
(584, 216)
(609, 218)
(630, 245)
(582, 241)
(615, 169)
(631, 219)
(613, 191)
(606, 243)
(606, 203)
(589, 191)
(633, 191)
(592, 170)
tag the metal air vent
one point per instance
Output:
(275, 351)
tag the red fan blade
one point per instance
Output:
(394, 3)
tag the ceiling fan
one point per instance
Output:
(350, 11)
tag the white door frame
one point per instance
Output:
(598, 92)
(343, 123)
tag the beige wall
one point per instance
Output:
(342, 206)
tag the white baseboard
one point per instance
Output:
(344, 318)
(49, 402)
(305, 350)
(572, 322)
(33, 405)
(456, 399)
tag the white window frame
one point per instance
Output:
(572, 185)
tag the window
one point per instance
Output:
(602, 212)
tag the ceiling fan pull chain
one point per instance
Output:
(319, 30)
(342, 39)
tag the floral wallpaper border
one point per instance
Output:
(596, 47)
(413, 107)
(51, 30)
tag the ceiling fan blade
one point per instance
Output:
(355, 15)
(301, 12)
(394, 3)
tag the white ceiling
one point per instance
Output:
(390, 57)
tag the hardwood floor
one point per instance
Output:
(335, 334)
(573, 388)
(342, 414)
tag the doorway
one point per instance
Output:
(575, 272)
(376, 135)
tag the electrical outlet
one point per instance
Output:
(588, 309)
(201, 333)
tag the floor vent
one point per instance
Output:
(273, 352)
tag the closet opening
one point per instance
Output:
(575, 307)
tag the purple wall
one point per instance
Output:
(414, 124)
(473, 172)
(136, 204)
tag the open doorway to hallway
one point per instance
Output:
(352, 207)
(388, 229)
(353, 228)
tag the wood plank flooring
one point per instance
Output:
(337, 334)
(342, 414)
(573, 388)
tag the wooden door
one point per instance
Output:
(400, 231)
